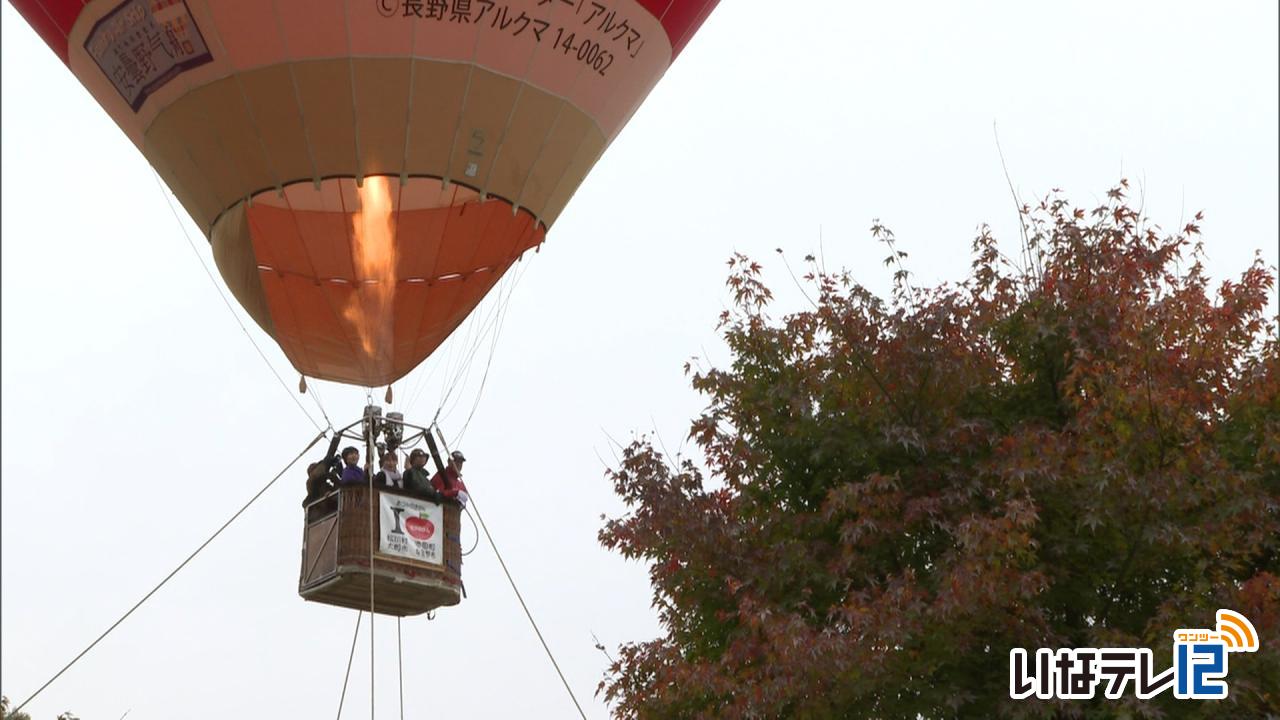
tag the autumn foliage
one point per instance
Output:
(1077, 447)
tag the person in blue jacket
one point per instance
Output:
(352, 474)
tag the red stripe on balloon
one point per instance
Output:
(51, 19)
(680, 18)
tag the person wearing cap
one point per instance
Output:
(449, 483)
(417, 479)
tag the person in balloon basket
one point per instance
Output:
(352, 474)
(449, 483)
(417, 478)
(321, 478)
(389, 475)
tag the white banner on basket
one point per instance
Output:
(411, 528)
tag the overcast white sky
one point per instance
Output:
(137, 417)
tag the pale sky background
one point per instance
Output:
(137, 417)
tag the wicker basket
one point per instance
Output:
(335, 559)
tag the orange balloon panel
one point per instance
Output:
(366, 170)
(430, 254)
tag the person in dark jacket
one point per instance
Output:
(417, 479)
(321, 478)
(352, 474)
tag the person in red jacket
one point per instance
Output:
(449, 483)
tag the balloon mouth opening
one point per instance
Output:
(412, 192)
(361, 281)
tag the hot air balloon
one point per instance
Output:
(366, 170)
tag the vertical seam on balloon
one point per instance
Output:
(564, 102)
(145, 133)
(296, 341)
(297, 94)
(497, 151)
(606, 139)
(475, 247)
(248, 109)
(289, 61)
(65, 35)
(270, 261)
(408, 109)
(635, 106)
(229, 161)
(395, 288)
(541, 148)
(257, 131)
(626, 118)
(448, 166)
(462, 109)
(306, 253)
(299, 346)
(520, 244)
(435, 264)
(209, 188)
(687, 34)
(351, 73)
(640, 101)
(523, 83)
(537, 156)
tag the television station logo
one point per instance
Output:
(1199, 669)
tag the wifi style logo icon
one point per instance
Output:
(1236, 632)
(1201, 656)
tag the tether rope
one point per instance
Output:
(400, 664)
(345, 678)
(369, 434)
(169, 577)
(182, 226)
(525, 607)
(519, 597)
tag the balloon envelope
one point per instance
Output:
(366, 170)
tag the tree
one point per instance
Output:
(1079, 449)
(5, 713)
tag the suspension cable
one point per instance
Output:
(519, 597)
(345, 678)
(400, 664)
(525, 607)
(463, 349)
(315, 396)
(182, 226)
(491, 324)
(169, 577)
(493, 349)
(369, 447)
